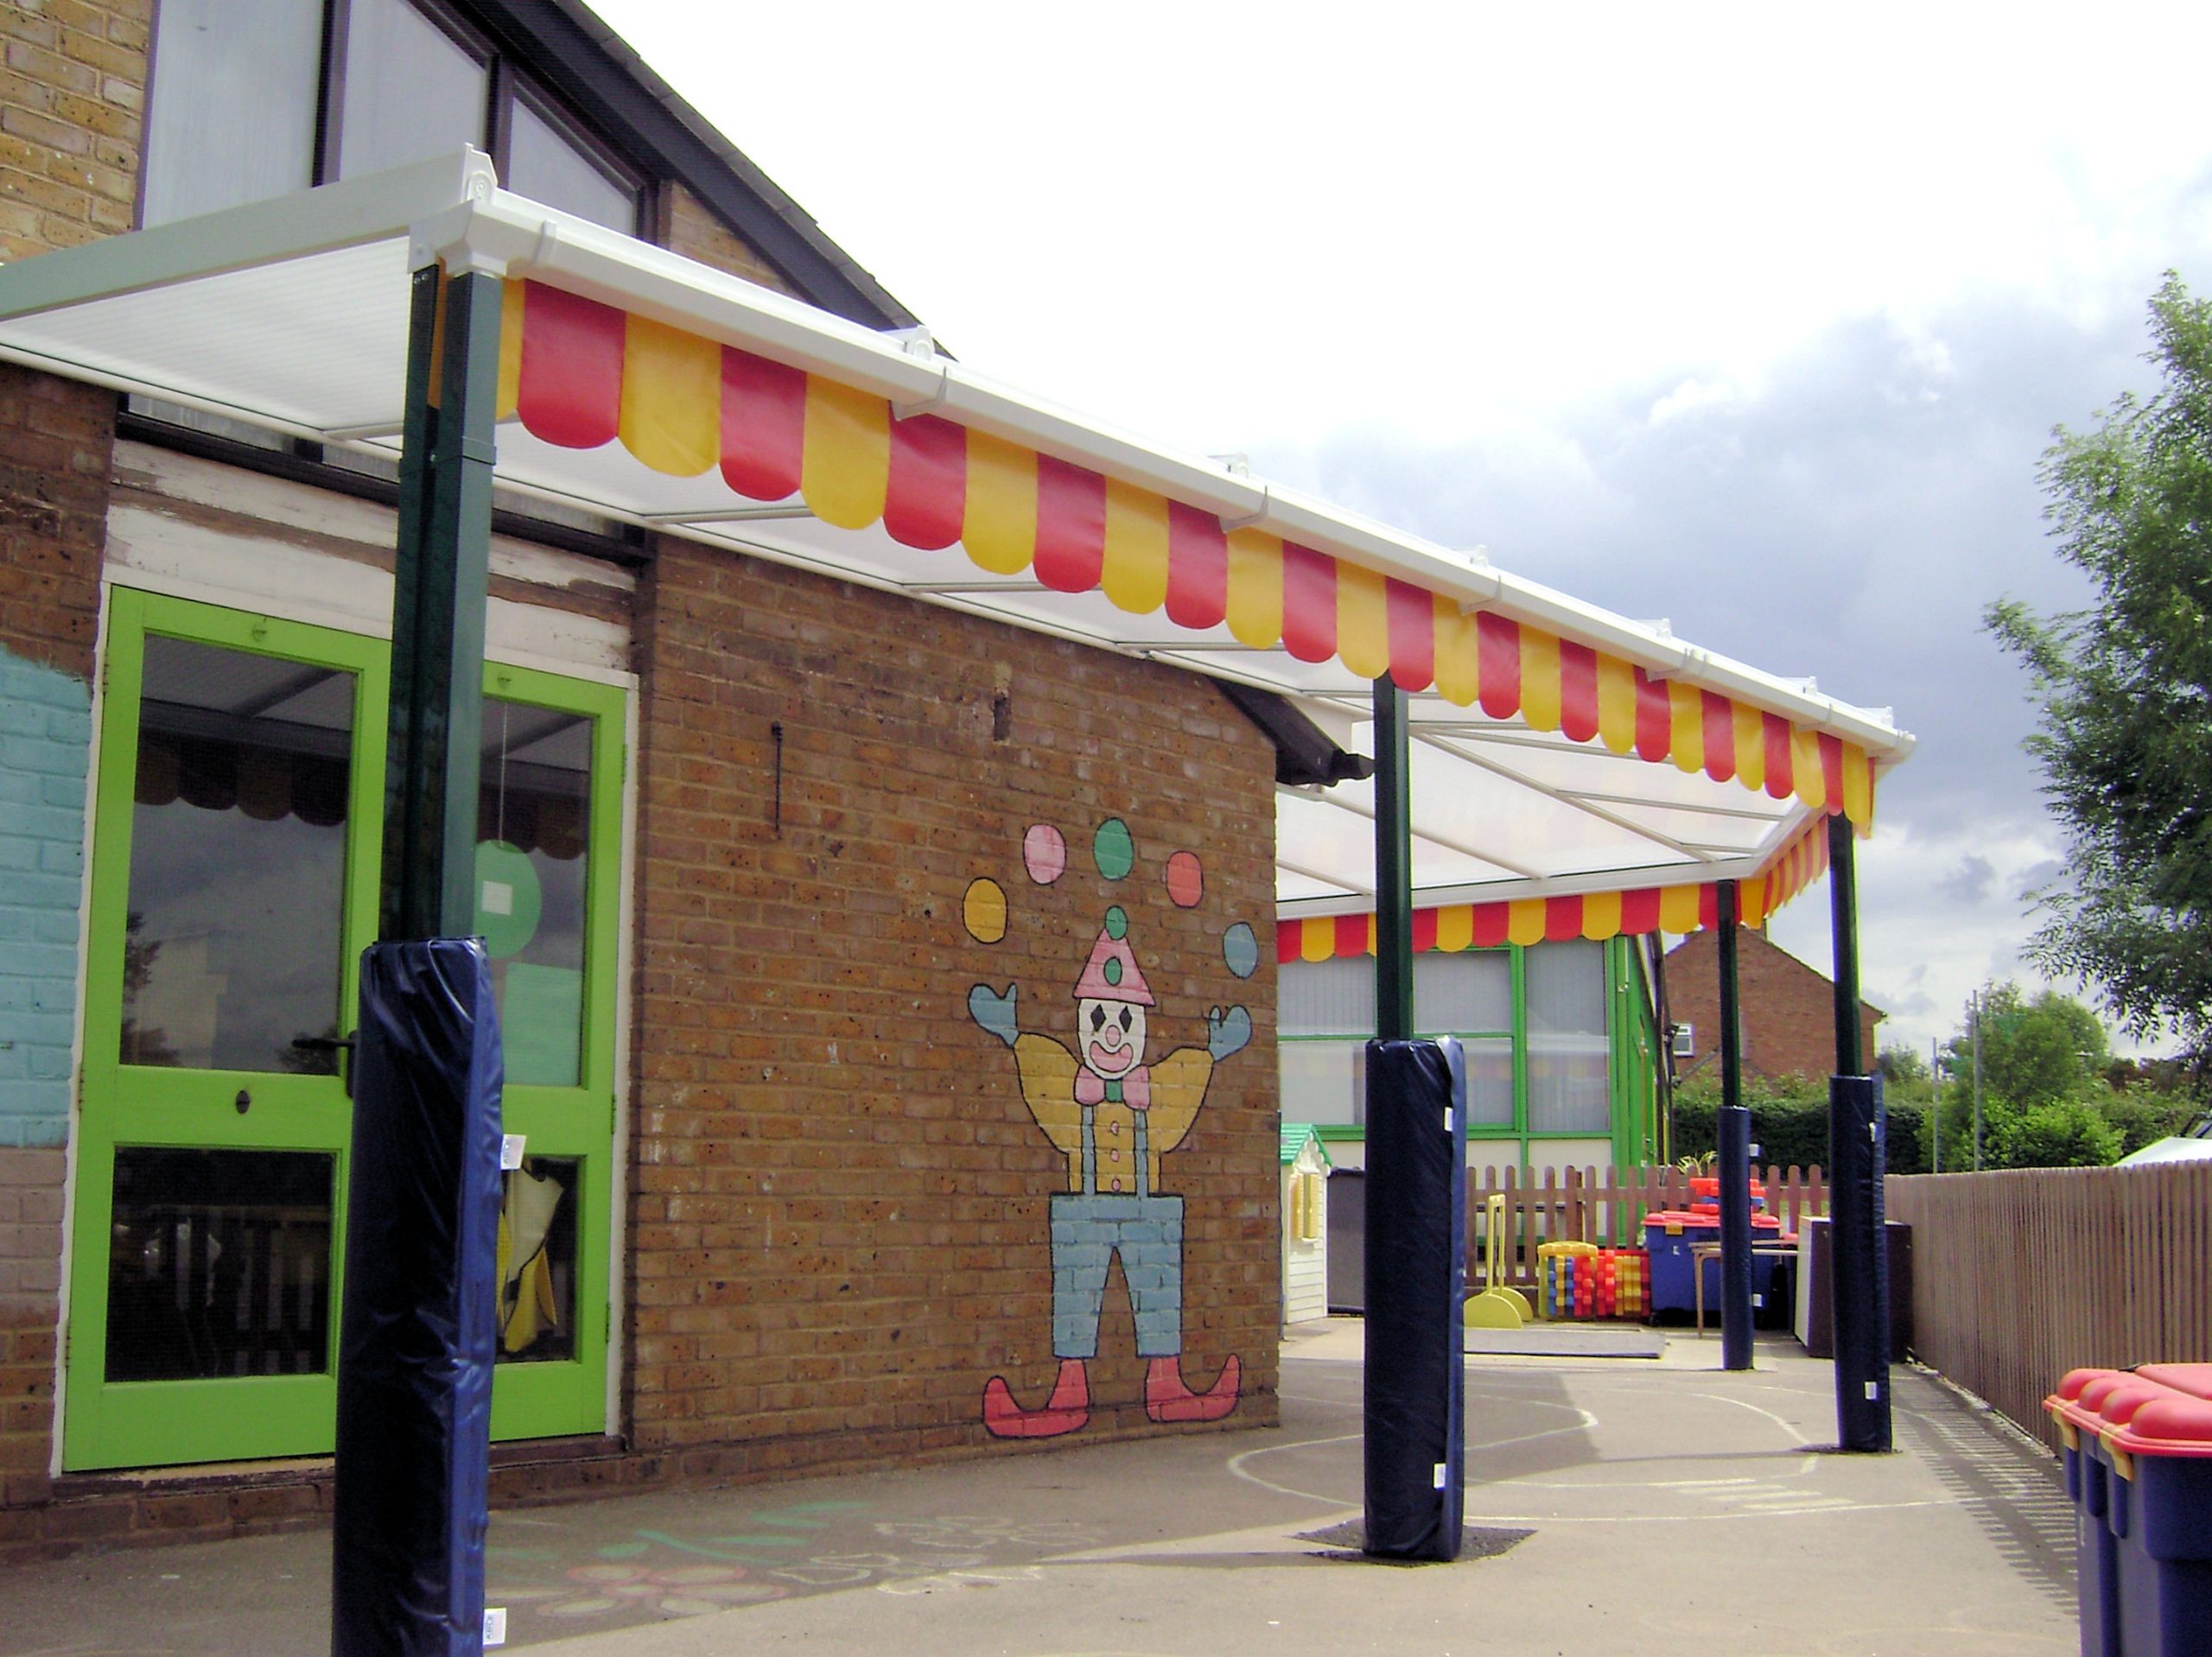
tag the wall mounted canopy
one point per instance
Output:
(1574, 772)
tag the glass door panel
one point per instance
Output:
(236, 848)
(548, 836)
(233, 886)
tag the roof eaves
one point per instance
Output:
(568, 36)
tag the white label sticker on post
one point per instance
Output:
(511, 1152)
(1448, 1120)
(1436, 1478)
(1758, 1301)
(495, 1625)
(1873, 1389)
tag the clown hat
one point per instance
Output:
(1113, 973)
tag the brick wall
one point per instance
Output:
(54, 448)
(71, 93)
(839, 1200)
(1789, 1008)
(690, 228)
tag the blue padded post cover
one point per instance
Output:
(1857, 1155)
(416, 1336)
(1417, 1281)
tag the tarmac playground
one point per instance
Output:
(1616, 1505)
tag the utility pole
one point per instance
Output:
(1975, 1004)
(1935, 1098)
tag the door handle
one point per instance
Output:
(331, 1045)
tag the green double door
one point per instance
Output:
(235, 842)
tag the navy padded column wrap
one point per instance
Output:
(1858, 1129)
(415, 1337)
(1417, 1281)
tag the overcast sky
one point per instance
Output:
(1758, 320)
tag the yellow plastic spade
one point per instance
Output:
(1496, 1307)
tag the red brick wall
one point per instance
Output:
(839, 1200)
(1789, 1008)
(54, 445)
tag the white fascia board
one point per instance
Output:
(380, 207)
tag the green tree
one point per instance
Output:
(2036, 1052)
(2124, 691)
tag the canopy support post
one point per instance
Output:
(1394, 873)
(1732, 1142)
(416, 1330)
(1857, 1125)
(433, 757)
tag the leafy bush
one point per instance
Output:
(2065, 1133)
(1789, 1123)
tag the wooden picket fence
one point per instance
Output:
(1576, 1205)
(2021, 1275)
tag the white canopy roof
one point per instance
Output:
(293, 315)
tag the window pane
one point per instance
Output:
(1566, 987)
(1326, 997)
(544, 166)
(232, 115)
(1324, 1081)
(533, 864)
(238, 861)
(1489, 1082)
(537, 1262)
(219, 1264)
(411, 91)
(1458, 994)
(1569, 1087)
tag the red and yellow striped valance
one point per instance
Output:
(580, 374)
(1594, 915)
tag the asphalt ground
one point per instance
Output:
(1624, 1505)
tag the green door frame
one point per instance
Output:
(146, 1424)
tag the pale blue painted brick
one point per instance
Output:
(41, 961)
(37, 753)
(45, 745)
(43, 890)
(23, 820)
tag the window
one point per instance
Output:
(1568, 1086)
(252, 98)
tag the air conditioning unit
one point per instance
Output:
(1685, 1041)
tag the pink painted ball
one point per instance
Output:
(1043, 854)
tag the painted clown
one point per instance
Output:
(1114, 1116)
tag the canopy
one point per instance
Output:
(1576, 773)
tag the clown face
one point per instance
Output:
(1112, 1036)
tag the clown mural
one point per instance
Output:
(1114, 1114)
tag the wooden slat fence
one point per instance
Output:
(2019, 1276)
(1579, 1205)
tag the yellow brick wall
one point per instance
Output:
(72, 93)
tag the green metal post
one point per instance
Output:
(1394, 871)
(1843, 903)
(433, 757)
